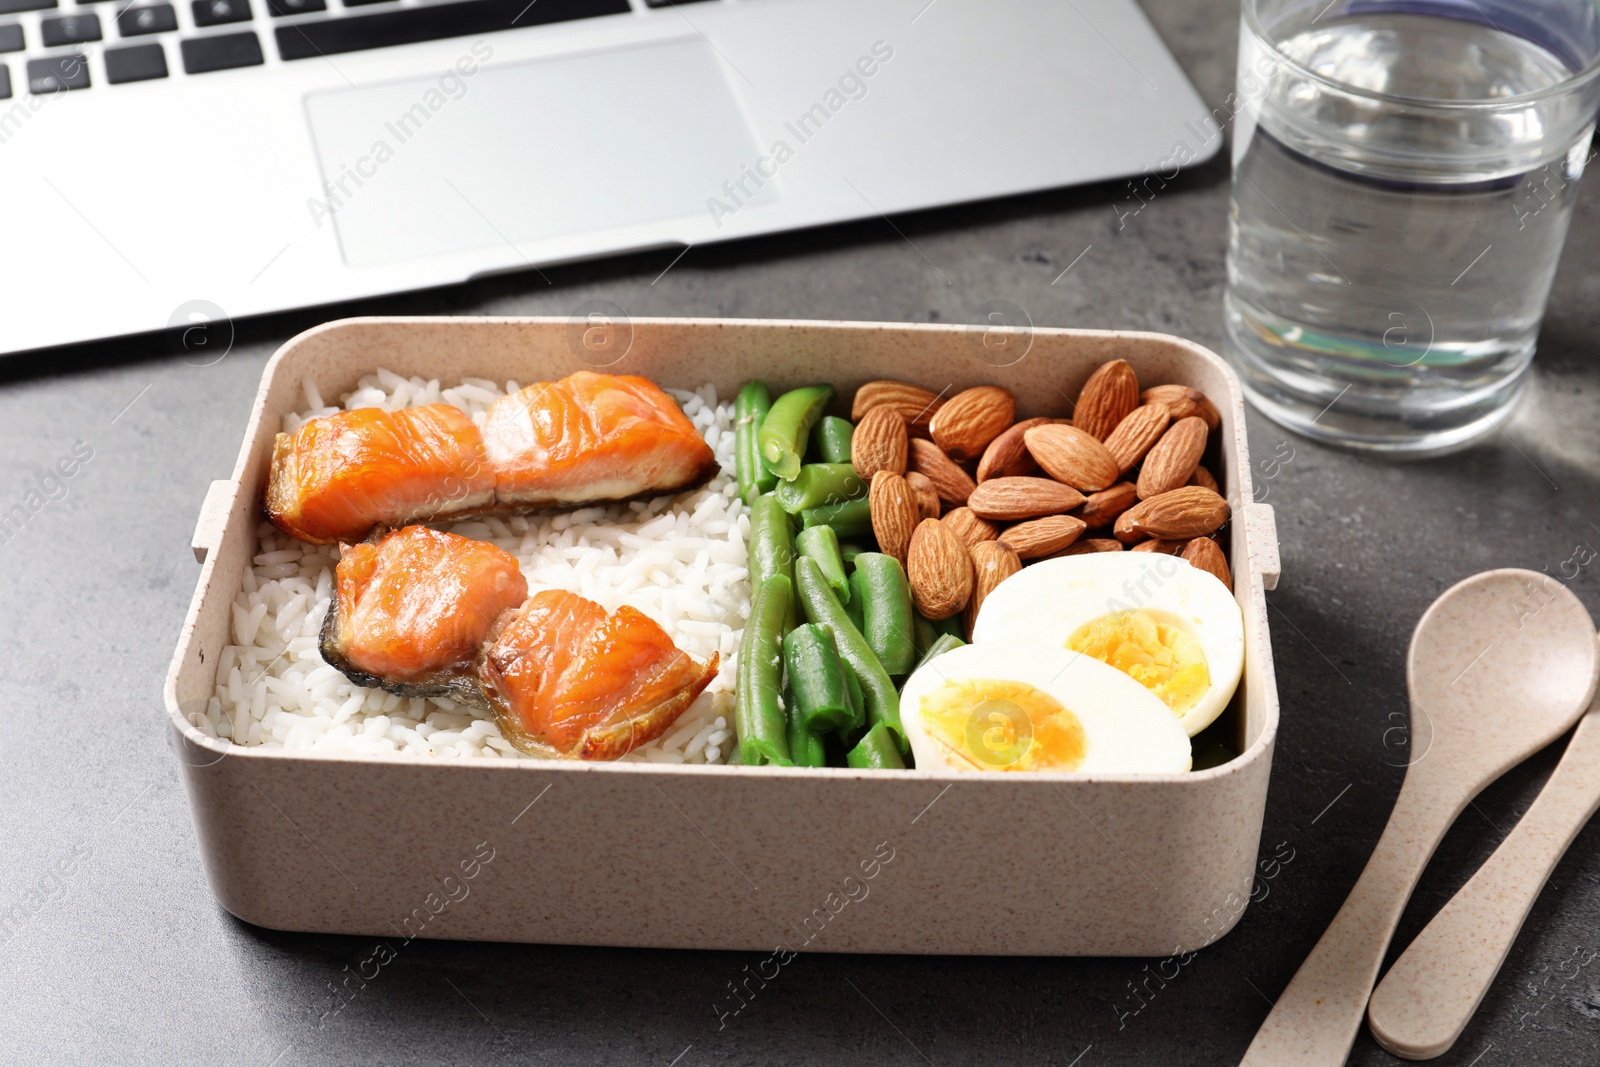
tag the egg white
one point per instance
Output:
(1127, 729)
(1047, 601)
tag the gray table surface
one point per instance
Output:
(126, 958)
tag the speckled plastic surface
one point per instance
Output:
(1500, 665)
(1430, 994)
(645, 855)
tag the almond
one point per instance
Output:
(1106, 398)
(1184, 402)
(1136, 434)
(1007, 455)
(1157, 544)
(968, 528)
(1201, 476)
(915, 404)
(952, 483)
(927, 496)
(1042, 537)
(894, 513)
(1087, 545)
(1206, 554)
(879, 443)
(1171, 463)
(1102, 508)
(1010, 499)
(968, 421)
(1070, 455)
(1192, 511)
(992, 563)
(940, 571)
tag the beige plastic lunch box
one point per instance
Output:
(750, 858)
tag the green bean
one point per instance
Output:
(879, 582)
(858, 705)
(758, 719)
(821, 694)
(818, 484)
(943, 644)
(832, 438)
(787, 426)
(951, 626)
(805, 747)
(852, 518)
(772, 548)
(850, 550)
(883, 703)
(875, 752)
(853, 609)
(822, 545)
(924, 633)
(750, 409)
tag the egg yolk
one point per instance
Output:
(1160, 656)
(996, 725)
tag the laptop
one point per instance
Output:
(169, 162)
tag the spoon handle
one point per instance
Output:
(1315, 1020)
(1426, 999)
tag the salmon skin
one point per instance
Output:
(588, 438)
(412, 610)
(335, 478)
(565, 677)
(592, 437)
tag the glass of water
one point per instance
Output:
(1403, 175)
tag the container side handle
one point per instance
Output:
(1262, 528)
(213, 517)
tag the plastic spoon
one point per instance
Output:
(1426, 999)
(1499, 666)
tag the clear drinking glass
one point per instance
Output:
(1403, 175)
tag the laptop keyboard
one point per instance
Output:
(408, 25)
(48, 50)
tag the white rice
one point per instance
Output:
(679, 559)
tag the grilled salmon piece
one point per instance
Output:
(568, 678)
(337, 477)
(413, 608)
(592, 437)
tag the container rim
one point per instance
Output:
(1580, 80)
(218, 749)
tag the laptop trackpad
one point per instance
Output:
(484, 155)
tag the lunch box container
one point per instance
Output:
(746, 858)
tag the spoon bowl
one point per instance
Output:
(1500, 665)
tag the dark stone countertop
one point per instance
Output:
(130, 960)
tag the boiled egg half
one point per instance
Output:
(1171, 627)
(1027, 707)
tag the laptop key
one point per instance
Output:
(11, 38)
(151, 18)
(217, 12)
(135, 63)
(280, 8)
(8, 7)
(69, 29)
(408, 25)
(58, 74)
(222, 52)
(5, 82)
